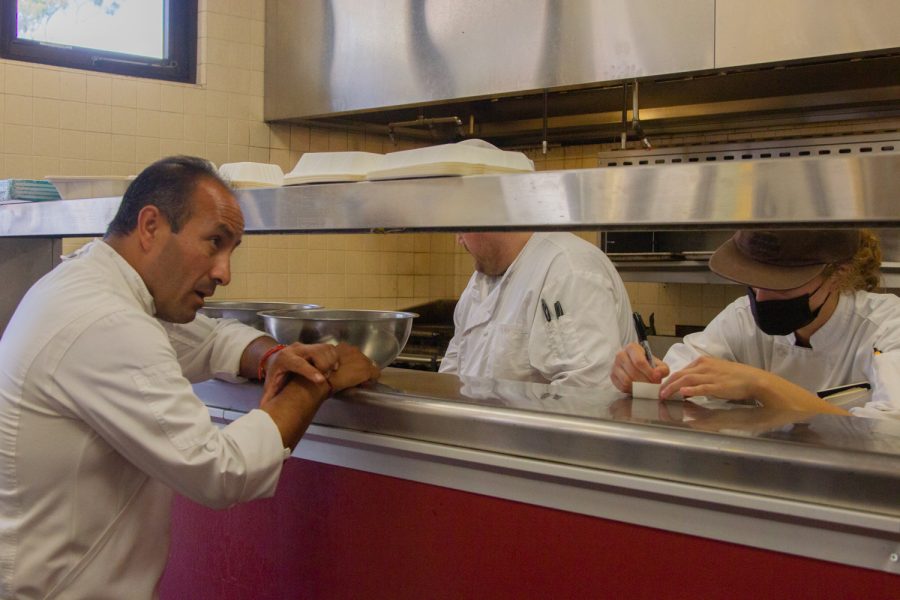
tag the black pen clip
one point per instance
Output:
(546, 310)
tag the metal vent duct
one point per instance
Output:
(788, 148)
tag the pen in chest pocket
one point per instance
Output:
(546, 310)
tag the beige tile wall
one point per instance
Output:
(680, 303)
(347, 271)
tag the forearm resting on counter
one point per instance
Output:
(294, 407)
(776, 392)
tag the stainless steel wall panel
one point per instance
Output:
(766, 31)
(340, 56)
(22, 262)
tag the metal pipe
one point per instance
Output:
(636, 119)
(423, 122)
(544, 135)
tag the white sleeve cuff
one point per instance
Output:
(232, 339)
(263, 454)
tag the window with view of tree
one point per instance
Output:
(145, 38)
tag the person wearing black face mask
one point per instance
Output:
(781, 317)
(809, 322)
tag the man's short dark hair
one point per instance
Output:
(166, 184)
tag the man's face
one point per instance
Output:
(487, 251)
(191, 263)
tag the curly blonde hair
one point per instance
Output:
(864, 272)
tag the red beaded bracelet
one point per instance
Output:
(261, 371)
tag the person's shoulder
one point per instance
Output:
(114, 316)
(576, 252)
(741, 303)
(119, 334)
(566, 242)
(736, 316)
(870, 303)
(71, 293)
(875, 307)
(878, 314)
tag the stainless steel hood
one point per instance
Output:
(702, 65)
(344, 56)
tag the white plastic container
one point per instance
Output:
(77, 187)
(469, 157)
(252, 175)
(333, 167)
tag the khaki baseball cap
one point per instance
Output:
(782, 259)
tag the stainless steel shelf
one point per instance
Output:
(697, 271)
(858, 190)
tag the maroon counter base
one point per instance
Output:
(332, 532)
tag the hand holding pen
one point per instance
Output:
(635, 362)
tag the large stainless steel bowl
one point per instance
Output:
(379, 334)
(246, 312)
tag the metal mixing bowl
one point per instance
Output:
(246, 312)
(379, 334)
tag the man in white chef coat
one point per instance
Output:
(808, 323)
(542, 307)
(98, 418)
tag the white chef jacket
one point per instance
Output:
(502, 332)
(99, 423)
(860, 342)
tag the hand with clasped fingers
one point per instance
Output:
(341, 366)
(293, 405)
(314, 362)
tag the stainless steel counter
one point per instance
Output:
(738, 463)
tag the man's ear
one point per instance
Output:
(150, 223)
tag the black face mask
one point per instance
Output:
(781, 317)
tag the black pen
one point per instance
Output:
(860, 385)
(546, 310)
(642, 337)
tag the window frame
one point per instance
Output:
(180, 40)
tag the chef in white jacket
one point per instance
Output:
(98, 420)
(808, 323)
(542, 307)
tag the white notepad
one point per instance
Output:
(644, 389)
